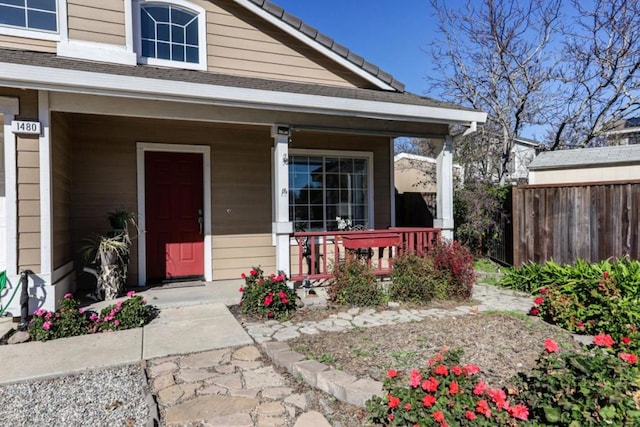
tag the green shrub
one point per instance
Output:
(444, 393)
(69, 320)
(456, 260)
(591, 389)
(125, 314)
(354, 284)
(268, 297)
(415, 279)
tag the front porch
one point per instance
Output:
(315, 253)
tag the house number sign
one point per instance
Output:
(18, 126)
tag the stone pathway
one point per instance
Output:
(489, 298)
(242, 388)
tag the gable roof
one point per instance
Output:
(586, 157)
(323, 43)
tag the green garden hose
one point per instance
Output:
(3, 284)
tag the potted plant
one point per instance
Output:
(120, 219)
(110, 254)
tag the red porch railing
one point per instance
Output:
(317, 252)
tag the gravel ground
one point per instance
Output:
(105, 397)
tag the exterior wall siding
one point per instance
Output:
(100, 21)
(23, 43)
(62, 188)
(581, 175)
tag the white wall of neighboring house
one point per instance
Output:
(589, 174)
(522, 154)
(417, 174)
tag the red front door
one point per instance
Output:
(174, 215)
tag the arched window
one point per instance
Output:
(171, 33)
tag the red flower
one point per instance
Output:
(543, 290)
(538, 301)
(454, 388)
(605, 275)
(390, 417)
(270, 315)
(550, 345)
(470, 415)
(415, 378)
(394, 402)
(625, 340)
(630, 358)
(244, 276)
(580, 325)
(441, 370)
(268, 300)
(240, 304)
(279, 278)
(534, 311)
(482, 407)
(241, 290)
(407, 406)
(603, 340)
(438, 416)
(471, 369)
(430, 385)
(428, 401)
(253, 273)
(499, 398)
(392, 373)
(520, 412)
(457, 370)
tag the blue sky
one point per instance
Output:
(391, 35)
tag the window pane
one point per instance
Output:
(332, 180)
(360, 166)
(12, 16)
(148, 49)
(42, 4)
(164, 51)
(180, 17)
(177, 52)
(162, 32)
(13, 2)
(332, 165)
(147, 27)
(159, 13)
(177, 34)
(42, 20)
(317, 213)
(193, 55)
(192, 33)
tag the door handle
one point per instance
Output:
(200, 221)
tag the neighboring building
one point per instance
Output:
(415, 179)
(220, 122)
(586, 165)
(624, 132)
(522, 154)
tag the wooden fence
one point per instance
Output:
(591, 221)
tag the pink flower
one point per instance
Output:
(241, 290)
(479, 388)
(471, 369)
(268, 300)
(438, 416)
(603, 340)
(81, 311)
(407, 406)
(441, 370)
(550, 345)
(430, 385)
(116, 322)
(629, 358)
(457, 370)
(520, 412)
(39, 312)
(415, 379)
(119, 304)
(253, 273)
(46, 325)
(244, 276)
(131, 293)
(94, 317)
(392, 373)
(538, 301)
(543, 290)
(454, 388)
(240, 304)
(49, 315)
(68, 295)
(470, 415)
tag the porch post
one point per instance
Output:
(444, 170)
(281, 226)
(9, 108)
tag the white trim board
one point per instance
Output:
(67, 80)
(9, 108)
(205, 150)
(46, 206)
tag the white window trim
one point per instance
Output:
(202, 35)
(30, 33)
(353, 154)
(205, 150)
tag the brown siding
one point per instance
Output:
(28, 213)
(242, 43)
(234, 254)
(24, 43)
(100, 21)
(567, 222)
(61, 188)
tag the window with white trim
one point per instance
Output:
(171, 33)
(38, 15)
(324, 187)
